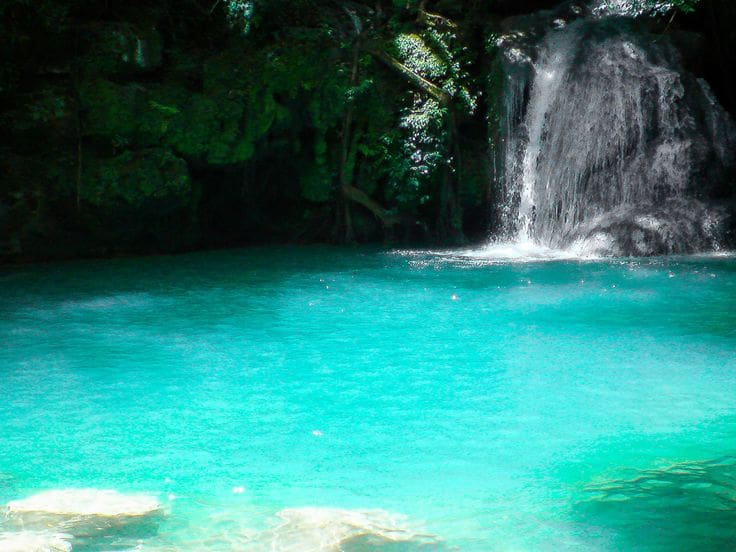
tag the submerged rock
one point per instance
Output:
(692, 503)
(86, 503)
(332, 529)
(303, 530)
(31, 541)
(86, 512)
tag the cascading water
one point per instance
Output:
(611, 146)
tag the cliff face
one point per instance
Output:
(179, 125)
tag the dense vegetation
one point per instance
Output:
(163, 126)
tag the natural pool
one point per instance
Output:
(497, 405)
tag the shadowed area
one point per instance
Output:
(692, 504)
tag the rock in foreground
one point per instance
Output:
(327, 529)
(86, 503)
(30, 541)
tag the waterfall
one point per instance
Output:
(611, 145)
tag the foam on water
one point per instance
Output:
(527, 251)
(498, 252)
(522, 251)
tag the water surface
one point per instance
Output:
(498, 405)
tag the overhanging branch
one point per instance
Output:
(359, 196)
(440, 94)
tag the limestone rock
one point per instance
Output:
(85, 503)
(312, 529)
(30, 541)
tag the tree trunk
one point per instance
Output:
(344, 220)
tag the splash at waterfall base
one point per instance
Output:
(608, 143)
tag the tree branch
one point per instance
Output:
(359, 196)
(440, 94)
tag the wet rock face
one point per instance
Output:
(674, 227)
(609, 140)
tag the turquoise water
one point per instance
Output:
(499, 406)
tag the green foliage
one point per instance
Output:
(639, 7)
(414, 52)
(49, 107)
(240, 14)
(206, 127)
(110, 109)
(47, 13)
(46, 107)
(687, 6)
(260, 98)
(119, 48)
(316, 182)
(136, 179)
